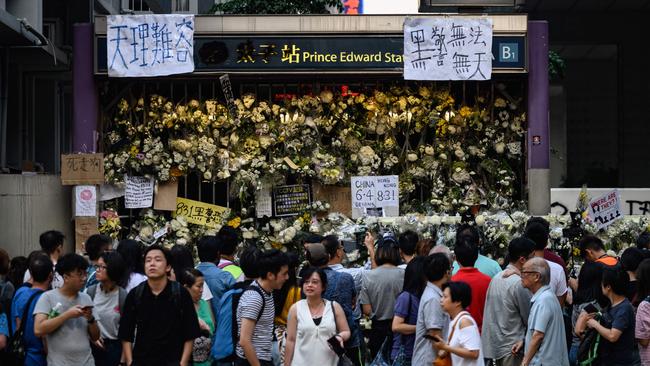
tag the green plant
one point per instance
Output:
(556, 65)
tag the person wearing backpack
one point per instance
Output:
(158, 317)
(256, 310)
(22, 308)
(617, 343)
(225, 351)
(108, 297)
(217, 280)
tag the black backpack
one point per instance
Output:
(16, 350)
(589, 349)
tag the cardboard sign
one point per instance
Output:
(339, 198)
(606, 209)
(200, 213)
(82, 169)
(85, 201)
(138, 192)
(166, 194)
(291, 200)
(84, 227)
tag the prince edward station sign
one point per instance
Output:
(305, 52)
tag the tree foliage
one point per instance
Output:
(277, 6)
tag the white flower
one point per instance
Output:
(499, 147)
(480, 220)
(412, 157)
(428, 150)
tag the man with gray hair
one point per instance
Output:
(545, 337)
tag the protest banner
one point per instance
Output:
(200, 213)
(138, 192)
(606, 209)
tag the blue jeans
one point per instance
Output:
(573, 355)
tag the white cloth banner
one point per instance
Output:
(447, 49)
(149, 45)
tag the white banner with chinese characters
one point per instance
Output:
(149, 45)
(447, 49)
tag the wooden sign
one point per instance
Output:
(82, 169)
(200, 213)
(339, 198)
(165, 197)
(84, 227)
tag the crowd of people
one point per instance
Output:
(411, 304)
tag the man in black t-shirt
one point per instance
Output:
(159, 316)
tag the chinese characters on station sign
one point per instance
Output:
(447, 49)
(150, 45)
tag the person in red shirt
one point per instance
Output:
(542, 239)
(466, 255)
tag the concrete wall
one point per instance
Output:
(30, 205)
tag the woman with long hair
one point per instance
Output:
(588, 292)
(406, 308)
(193, 280)
(464, 341)
(284, 298)
(312, 322)
(133, 254)
(108, 296)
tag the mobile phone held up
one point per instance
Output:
(590, 309)
(336, 346)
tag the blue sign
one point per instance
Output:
(509, 52)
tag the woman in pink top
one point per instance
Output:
(642, 329)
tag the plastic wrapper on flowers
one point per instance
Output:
(448, 156)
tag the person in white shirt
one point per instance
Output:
(538, 233)
(464, 341)
(52, 244)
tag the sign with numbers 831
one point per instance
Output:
(375, 191)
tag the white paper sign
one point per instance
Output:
(375, 191)
(447, 49)
(263, 202)
(138, 192)
(606, 209)
(149, 44)
(85, 201)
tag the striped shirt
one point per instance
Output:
(250, 306)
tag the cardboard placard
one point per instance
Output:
(263, 202)
(84, 227)
(339, 198)
(85, 201)
(606, 209)
(165, 198)
(82, 169)
(200, 213)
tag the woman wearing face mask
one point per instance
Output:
(312, 322)
(193, 281)
(464, 341)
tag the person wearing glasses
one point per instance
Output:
(545, 338)
(108, 299)
(95, 245)
(64, 316)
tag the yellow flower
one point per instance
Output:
(234, 223)
(276, 245)
(465, 111)
(134, 151)
(576, 252)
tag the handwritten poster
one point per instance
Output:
(165, 199)
(85, 201)
(263, 202)
(149, 44)
(82, 169)
(291, 200)
(200, 213)
(447, 49)
(138, 192)
(606, 209)
(375, 191)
